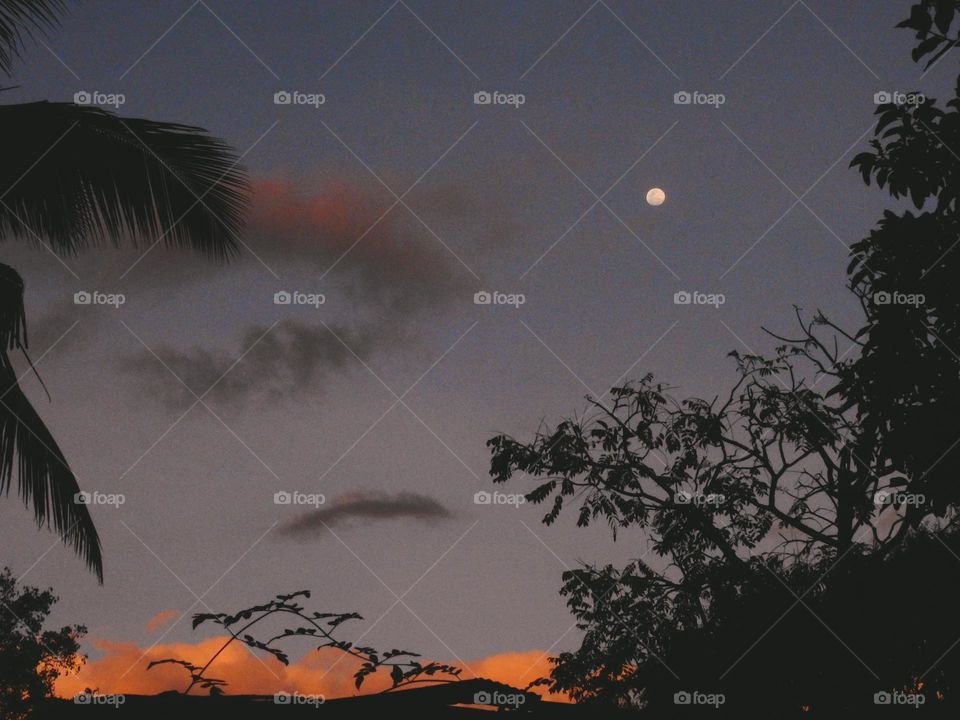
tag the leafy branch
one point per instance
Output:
(403, 666)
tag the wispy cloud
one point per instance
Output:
(294, 356)
(384, 267)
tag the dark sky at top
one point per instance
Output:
(382, 398)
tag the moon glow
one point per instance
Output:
(656, 196)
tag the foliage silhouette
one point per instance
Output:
(403, 668)
(73, 177)
(817, 480)
(31, 658)
(905, 382)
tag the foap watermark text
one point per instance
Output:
(295, 297)
(283, 497)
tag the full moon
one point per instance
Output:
(656, 196)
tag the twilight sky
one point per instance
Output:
(398, 199)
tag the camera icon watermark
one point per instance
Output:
(295, 97)
(898, 498)
(283, 297)
(683, 497)
(282, 497)
(298, 698)
(93, 698)
(484, 297)
(896, 97)
(500, 699)
(95, 297)
(684, 297)
(515, 100)
(99, 99)
(483, 497)
(685, 97)
(695, 697)
(95, 497)
(884, 297)
(899, 698)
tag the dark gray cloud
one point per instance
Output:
(369, 507)
(388, 275)
(294, 355)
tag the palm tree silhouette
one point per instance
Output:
(73, 177)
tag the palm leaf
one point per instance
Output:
(19, 21)
(77, 175)
(44, 479)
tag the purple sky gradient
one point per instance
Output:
(394, 384)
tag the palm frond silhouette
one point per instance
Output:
(73, 177)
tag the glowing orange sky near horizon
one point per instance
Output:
(122, 668)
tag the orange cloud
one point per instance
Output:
(292, 225)
(161, 618)
(123, 669)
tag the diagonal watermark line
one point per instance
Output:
(639, 39)
(198, 400)
(202, 402)
(25, 426)
(39, 239)
(57, 57)
(159, 39)
(799, 599)
(439, 39)
(957, 641)
(642, 356)
(956, 157)
(610, 389)
(46, 552)
(36, 636)
(399, 599)
(199, 200)
(953, 44)
(239, 39)
(819, 20)
(39, 159)
(398, 198)
(546, 653)
(821, 621)
(198, 600)
(798, 401)
(558, 358)
(799, 199)
(757, 41)
(839, 39)
(599, 200)
(399, 399)
(557, 41)
(395, 403)
(357, 41)
(599, 599)
(39, 359)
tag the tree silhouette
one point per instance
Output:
(403, 667)
(31, 658)
(819, 492)
(905, 381)
(73, 177)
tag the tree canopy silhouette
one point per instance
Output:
(819, 492)
(31, 657)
